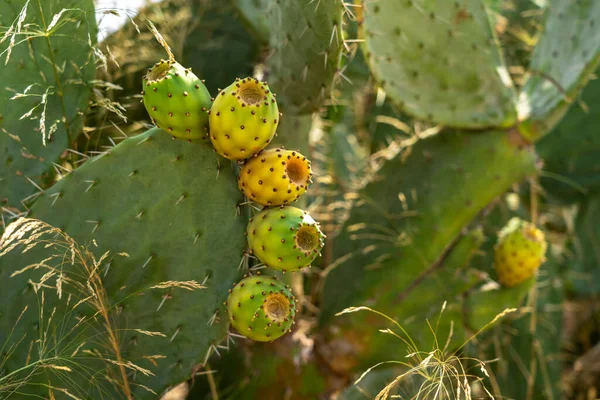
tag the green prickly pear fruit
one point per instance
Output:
(177, 101)
(261, 308)
(243, 119)
(284, 238)
(520, 251)
(275, 177)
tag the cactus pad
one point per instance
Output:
(284, 238)
(562, 62)
(439, 61)
(305, 48)
(403, 221)
(146, 197)
(261, 308)
(55, 70)
(275, 177)
(177, 100)
(520, 251)
(243, 119)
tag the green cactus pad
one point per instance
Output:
(177, 100)
(570, 151)
(305, 48)
(293, 132)
(275, 177)
(284, 238)
(146, 197)
(584, 274)
(439, 61)
(563, 60)
(58, 65)
(261, 308)
(404, 222)
(243, 119)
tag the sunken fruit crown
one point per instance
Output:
(275, 177)
(261, 308)
(284, 238)
(243, 119)
(177, 101)
(520, 251)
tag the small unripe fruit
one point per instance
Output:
(285, 238)
(520, 251)
(176, 100)
(275, 177)
(261, 308)
(243, 119)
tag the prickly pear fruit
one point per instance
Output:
(177, 101)
(243, 119)
(284, 238)
(275, 177)
(261, 308)
(520, 251)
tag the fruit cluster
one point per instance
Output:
(240, 122)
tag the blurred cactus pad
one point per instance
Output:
(299, 199)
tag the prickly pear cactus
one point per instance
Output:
(293, 132)
(439, 61)
(275, 177)
(146, 197)
(567, 53)
(401, 225)
(243, 119)
(422, 212)
(305, 43)
(571, 164)
(177, 100)
(285, 238)
(584, 261)
(261, 308)
(47, 63)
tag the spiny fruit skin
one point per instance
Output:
(284, 238)
(520, 251)
(243, 119)
(177, 101)
(261, 308)
(275, 177)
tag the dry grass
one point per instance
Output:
(70, 340)
(440, 374)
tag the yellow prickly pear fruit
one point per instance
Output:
(275, 177)
(520, 251)
(243, 119)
